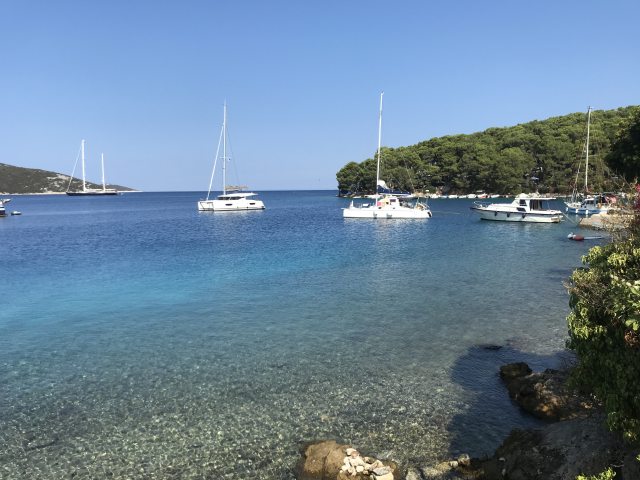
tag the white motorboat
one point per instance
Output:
(232, 199)
(386, 205)
(3, 210)
(586, 203)
(85, 190)
(525, 208)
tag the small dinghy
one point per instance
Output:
(16, 212)
(580, 238)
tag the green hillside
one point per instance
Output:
(539, 155)
(32, 180)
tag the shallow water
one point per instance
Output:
(141, 338)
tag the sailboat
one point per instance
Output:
(233, 198)
(587, 203)
(89, 191)
(386, 205)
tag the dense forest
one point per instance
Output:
(31, 180)
(539, 156)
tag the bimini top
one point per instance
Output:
(529, 196)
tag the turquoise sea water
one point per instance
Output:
(140, 338)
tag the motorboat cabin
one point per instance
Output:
(524, 208)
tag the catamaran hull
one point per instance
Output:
(93, 194)
(375, 213)
(530, 217)
(224, 206)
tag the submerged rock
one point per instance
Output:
(514, 370)
(459, 469)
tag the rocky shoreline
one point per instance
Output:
(575, 441)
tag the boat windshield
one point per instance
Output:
(538, 205)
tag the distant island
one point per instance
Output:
(536, 156)
(20, 180)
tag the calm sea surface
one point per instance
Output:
(140, 338)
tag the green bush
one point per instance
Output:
(608, 474)
(604, 329)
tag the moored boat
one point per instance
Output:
(525, 208)
(386, 205)
(3, 210)
(89, 191)
(586, 203)
(232, 199)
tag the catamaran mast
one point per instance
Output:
(379, 144)
(83, 180)
(104, 186)
(224, 150)
(586, 164)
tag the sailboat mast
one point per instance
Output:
(586, 163)
(379, 145)
(83, 180)
(224, 150)
(104, 186)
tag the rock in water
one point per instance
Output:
(514, 370)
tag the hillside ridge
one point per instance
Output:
(22, 180)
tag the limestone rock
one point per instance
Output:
(384, 476)
(514, 370)
(326, 460)
(560, 451)
(321, 461)
(464, 460)
(413, 474)
(544, 395)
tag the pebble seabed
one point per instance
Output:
(245, 415)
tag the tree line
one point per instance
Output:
(539, 156)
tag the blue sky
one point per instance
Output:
(145, 81)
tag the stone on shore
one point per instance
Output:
(544, 395)
(561, 451)
(329, 460)
(607, 221)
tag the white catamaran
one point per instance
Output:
(386, 205)
(85, 190)
(233, 199)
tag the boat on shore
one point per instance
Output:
(386, 205)
(89, 191)
(524, 208)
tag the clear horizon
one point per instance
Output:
(145, 82)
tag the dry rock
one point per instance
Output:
(544, 395)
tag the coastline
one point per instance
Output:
(573, 441)
(59, 193)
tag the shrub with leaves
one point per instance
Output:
(608, 474)
(604, 329)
